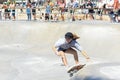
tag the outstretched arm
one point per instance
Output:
(85, 54)
(55, 50)
(77, 46)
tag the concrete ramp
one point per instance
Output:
(26, 54)
(101, 71)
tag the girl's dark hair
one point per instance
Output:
(69, 35)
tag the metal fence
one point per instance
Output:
(20, 13)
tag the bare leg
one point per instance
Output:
(62, 16)
(64, 60)
(74, 53)
(86, 16)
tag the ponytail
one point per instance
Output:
(75, 36)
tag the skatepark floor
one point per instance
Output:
(26, 50)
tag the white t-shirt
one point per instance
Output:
(61, 43)
(100, 5)
(110, 3)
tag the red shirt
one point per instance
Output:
(116, 4)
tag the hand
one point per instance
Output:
(57, 53)
(88, 59)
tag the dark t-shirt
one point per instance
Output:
(90, 5)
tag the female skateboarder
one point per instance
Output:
(67, 45)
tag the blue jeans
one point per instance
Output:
(112, 17)
(29, 17)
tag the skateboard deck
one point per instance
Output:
(75, 69)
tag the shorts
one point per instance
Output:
(61, 49)
(33, 12)
(100, 12)
(85, 11)
(13, 12)
(118, 12)
(71, 11)
(91, 11)
(46, 16)
(7, 11)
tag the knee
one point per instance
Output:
(62, 54)
(75, 53)
(63, 57)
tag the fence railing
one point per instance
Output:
(20, 13)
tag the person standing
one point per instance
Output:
(28, 11)
(116, 7)
(47, 10)
(62, 9)
(34, 10)
(90, 9)
(85, 10)
(6, 10)
(113, 13)
(71, 9)
(0, 14)
(100, 9)
(12, 7)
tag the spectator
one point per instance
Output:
(41, 2)
(47, 17)
(21, 7)
(47, 10)
(85, 10)
(113, 14)
(90, 9)
(0, 15)
(62, 9)
(34, 10)
(109, 5)
(51, 5)
(42, 17)
(28, 11)
(55, 18)
(0, 12)
(6, 10)
(104, 6)
(72, 5)
(76, 4)
(116, 7)
(12, 7)
(100, 9)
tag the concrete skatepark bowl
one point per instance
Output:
(26, 53)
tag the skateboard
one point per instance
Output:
(75, 69)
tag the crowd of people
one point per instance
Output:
(87, 9)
